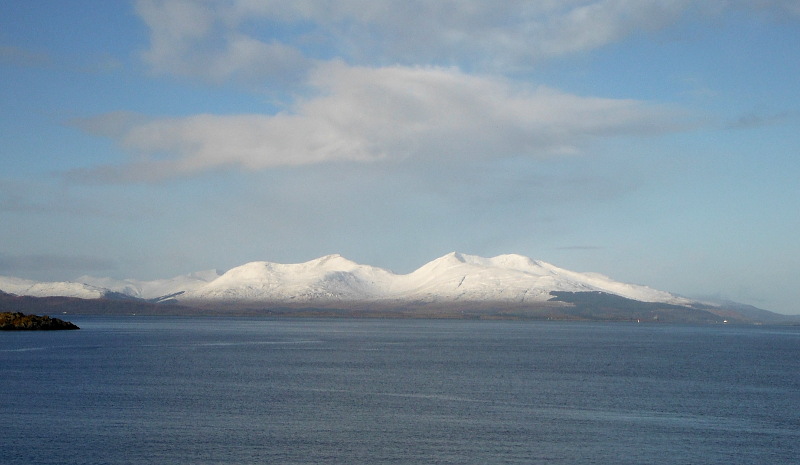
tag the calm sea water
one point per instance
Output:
(133, 390)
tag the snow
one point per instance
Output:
(333, 278)
(153, 289)
(509, 278)
(329, 278)
(27, 287)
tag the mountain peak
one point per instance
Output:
(31, 288)
(453, 257)
(332, 261)
(506, 261)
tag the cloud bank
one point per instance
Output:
(217, 40)
(49, 262)
(364, 114)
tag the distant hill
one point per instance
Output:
(453, 286)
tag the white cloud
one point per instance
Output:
(594, 24)
(190, 38)
(369, 114)
(217, 40)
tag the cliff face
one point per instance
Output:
(21, 322)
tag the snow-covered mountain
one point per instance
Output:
(332, 278)
(509, 278)
(152, 290)
(27, 287)
(455, 277)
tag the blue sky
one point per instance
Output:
(655, 142)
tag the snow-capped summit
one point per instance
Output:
(329, 278)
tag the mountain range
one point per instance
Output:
(455, 285)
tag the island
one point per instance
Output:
(18, 321)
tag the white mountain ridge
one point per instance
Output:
(331, 279)
(31, 288)
(149, 290)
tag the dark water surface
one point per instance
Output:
(133, 390)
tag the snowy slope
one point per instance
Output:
(454, 277)
(153, 289)
(27, 287)
(510, 278)
(326, 279)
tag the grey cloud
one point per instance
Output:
(192, 39)
(590, 25)
(23, 57)
(219, 40)
(52, 263)
(113, 125)
(753, 120)
(31, 197)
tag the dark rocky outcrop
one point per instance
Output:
(21, 322)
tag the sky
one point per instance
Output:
(654, 141)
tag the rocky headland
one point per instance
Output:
(17, 321)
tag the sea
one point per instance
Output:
(216, 390)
